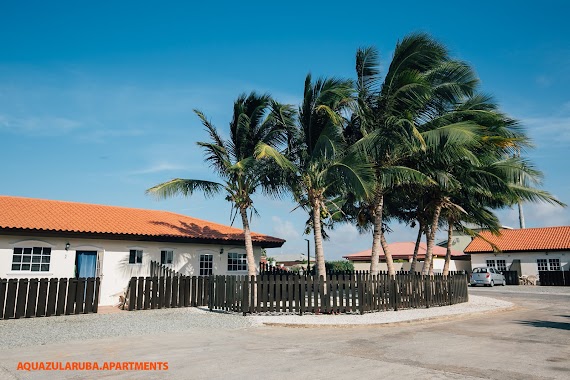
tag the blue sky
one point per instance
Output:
(96, 99)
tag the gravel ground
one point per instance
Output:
(41, 331)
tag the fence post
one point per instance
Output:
(79, 295)
(96, 294)
(71, 290)
(394, 291)
(245, 295)
(427, 291)
(360, 286)
(32, 298)
(89, 293)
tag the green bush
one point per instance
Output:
(339, 265)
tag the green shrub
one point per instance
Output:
(339, 265)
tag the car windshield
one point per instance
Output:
(480, 270)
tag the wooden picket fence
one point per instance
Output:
(48, 297)
(159, 270)
(167, 292)
(554, 278)
(340, 293)
(511, 277)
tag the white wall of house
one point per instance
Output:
(114, 259)
(528, 260)
(454, 265)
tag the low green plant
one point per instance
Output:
(339, 265)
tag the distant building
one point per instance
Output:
(291, 260)
(526, 250)
(461, 240)
(402, 254)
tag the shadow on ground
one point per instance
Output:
(547, 324)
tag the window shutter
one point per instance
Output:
(162, 257)
(132, 256)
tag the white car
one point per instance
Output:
(487, 277)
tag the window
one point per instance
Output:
(166, 257)
(501, 265)
(236, 262)
(491, 263)
(554, 264)
(135, 256)
(36, 259)
(206, 264)
(542, 264)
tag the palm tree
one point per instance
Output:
(467, 156)
(419, 77)
(323, 168)
(258, 128)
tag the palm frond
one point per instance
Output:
(184, 187)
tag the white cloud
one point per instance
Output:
(549, 129)
(344, 240)
(158, 168)
(543, 81)
(285, 229)
(101, 135)
(40, 125)
(536, 215)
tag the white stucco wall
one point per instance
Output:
(114, 257)
(527, 259)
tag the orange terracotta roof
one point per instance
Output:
(403, 250)
(526, 239)
(47, 215)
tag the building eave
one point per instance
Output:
(133, 237)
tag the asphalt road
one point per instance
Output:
(531, 341)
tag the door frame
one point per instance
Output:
(98, 261)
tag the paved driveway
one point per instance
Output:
(529, 342)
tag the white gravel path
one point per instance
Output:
(476, 304)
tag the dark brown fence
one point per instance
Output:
(48, 297)
(511, 277)
(341, 293)
(166, 292)
(554, 278)
(159, 270)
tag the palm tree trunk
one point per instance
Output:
(319, 253)
(448, 252)
(430, 240)
(521, 216)
(416, 249)
(251, 268)
(378, 237)
(389, 261)
(375, 253)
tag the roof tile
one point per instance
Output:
(403, 250)
(50, 215)
(526, 239)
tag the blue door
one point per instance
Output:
(86, 263)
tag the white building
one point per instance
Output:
(526, 250)
(402, 254)
(461, 240)
(54, 239)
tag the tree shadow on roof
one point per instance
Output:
(547, 324)
(196, 231)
